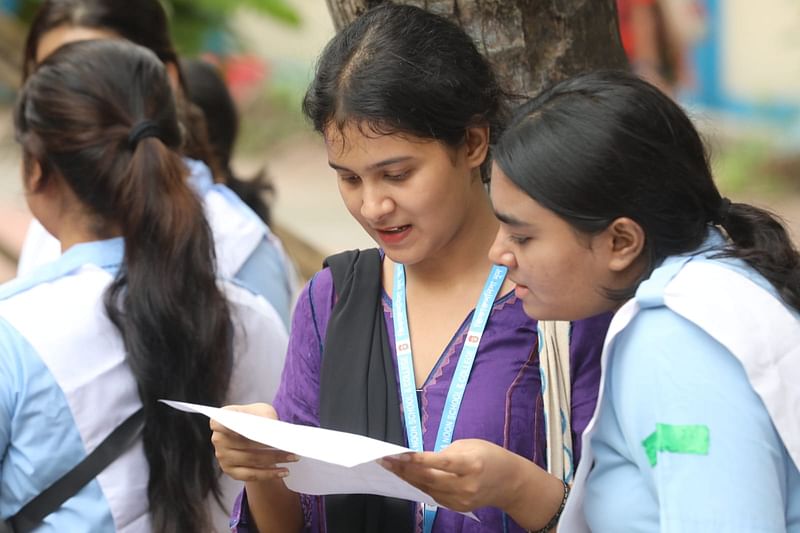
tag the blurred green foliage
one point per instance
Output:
(198, 25)
(752, 165)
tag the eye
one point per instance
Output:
(398, 176)
(351, 179)
(518, 239)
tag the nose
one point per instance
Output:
(499, 253)
(375, 204)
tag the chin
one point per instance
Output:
(401, 256)
(543, 312)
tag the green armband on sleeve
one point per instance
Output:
(676, 439)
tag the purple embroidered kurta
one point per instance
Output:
(502, 403)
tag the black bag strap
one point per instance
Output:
(358, 387)
(54, 496)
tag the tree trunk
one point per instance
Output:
(530, 43)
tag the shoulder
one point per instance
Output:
(661, 361)
(660, 336)
(314, 305)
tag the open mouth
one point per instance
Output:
(395, 229)
(394, 234)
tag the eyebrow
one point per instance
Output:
(374, 166)
(509, 220)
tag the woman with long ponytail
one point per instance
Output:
(131, 313)
(246, 248)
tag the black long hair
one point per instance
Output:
(75, 116)
(401, 69)
(206, 89)
(606, 144)
(145, 23)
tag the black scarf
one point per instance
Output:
(358, 387)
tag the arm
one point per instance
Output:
(297, 401)
(696, 429)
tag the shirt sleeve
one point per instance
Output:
(586, 347)
(696, 429)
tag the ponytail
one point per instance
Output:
(101, 115)
(760, 239)
(176, 328)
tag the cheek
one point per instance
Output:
(351, 198)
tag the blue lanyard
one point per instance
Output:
(405, 365)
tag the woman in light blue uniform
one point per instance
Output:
(606, 202)
(246, 249)
(131, 313)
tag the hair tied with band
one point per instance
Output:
(724, 209)
(144, 129)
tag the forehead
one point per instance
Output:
(512, 204)
(354, 141)
(57, 37)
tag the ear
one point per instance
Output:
(477, 143)
(32, 176)
(174, 75)
(626, 240)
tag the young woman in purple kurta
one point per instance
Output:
(502, 403)
(410, 150)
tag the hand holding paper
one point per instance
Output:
(331, 462)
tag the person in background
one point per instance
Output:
(245, 248)
(206, 88)
(652, 44)
(131, 313)
(696, 427)
(408, 108)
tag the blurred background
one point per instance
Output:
(734, 64)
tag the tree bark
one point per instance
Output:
(530, 43)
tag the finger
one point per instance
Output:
(252, 474)
(449, 490)
(258, 409)
(264, 459)
(423, 477)
(445, 461)
(230, 439)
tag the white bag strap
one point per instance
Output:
(557, 396)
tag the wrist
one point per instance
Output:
(553, 523)
(537, 499)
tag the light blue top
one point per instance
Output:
(65, 385)
(39, 438)
(666, 370)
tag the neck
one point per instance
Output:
(79, 228)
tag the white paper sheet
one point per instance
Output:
(331, 462)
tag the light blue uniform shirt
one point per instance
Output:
(666, 370)
(52, 409)
(65, 385)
